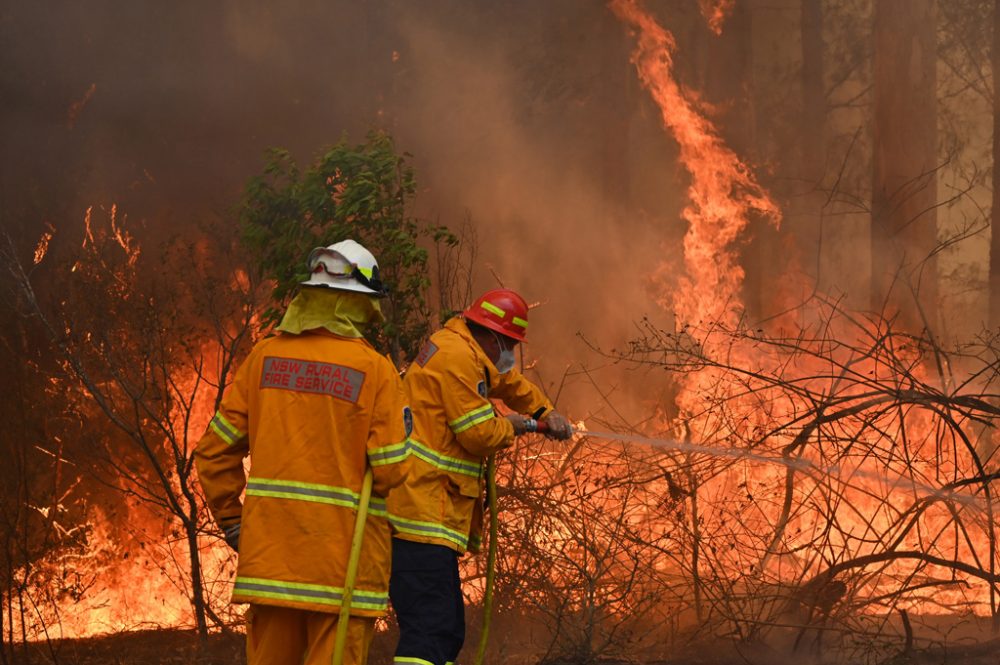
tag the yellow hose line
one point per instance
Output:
(491, 557)
(352, 568)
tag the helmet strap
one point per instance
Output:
(373, 283)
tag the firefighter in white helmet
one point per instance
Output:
(313, 407)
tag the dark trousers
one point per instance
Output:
(426, 594)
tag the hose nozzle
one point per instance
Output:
(540, 426)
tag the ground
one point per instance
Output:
(169, 647)
(148, 647)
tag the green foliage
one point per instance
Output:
(350, 191)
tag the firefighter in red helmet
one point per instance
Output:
(437, 511)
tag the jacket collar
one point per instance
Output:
(457, 325)
(323, 332)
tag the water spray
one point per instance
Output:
(832, 471)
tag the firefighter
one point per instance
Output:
(437, 512)
(312, 406)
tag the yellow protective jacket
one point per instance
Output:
(312, 411)
(449, 387)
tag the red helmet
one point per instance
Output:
(501, 310)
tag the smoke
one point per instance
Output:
(526, 117)
(532, 131)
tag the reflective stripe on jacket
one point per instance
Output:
(454, 429)
(312, 411)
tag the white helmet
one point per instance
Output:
(346, 266)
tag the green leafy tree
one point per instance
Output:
(350, 191)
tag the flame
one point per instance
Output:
(77, 106)
(97, 235)
(105, 587)
(88, 234)
(719, 404)
(42, 248)
(716, 12)
(125, 566)
(724, 193)
(109, 579)
(125, 240)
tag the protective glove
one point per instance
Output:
(559, 427)
(232, 536)
(519, 422)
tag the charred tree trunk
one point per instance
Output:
(382, 67)
(197, 583)
(617, 92)
(695, 546)
(812, 163)
(904, 183)
(995, 214)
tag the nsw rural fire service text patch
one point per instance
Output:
(310, 376)
(428, 350)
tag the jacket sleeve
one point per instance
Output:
(521, 395)
(391, 424)
(220, 452)
(471, 417)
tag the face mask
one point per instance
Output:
(505, 362)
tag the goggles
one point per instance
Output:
(366, 277)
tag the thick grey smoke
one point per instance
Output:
(525, 116)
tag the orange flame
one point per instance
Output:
(716, 12)
(77, 106)
(724, 193)
(43, 246)
(724, 196)
(88, 236)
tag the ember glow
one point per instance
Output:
(73, 113)
(42, 248)
(114, 579)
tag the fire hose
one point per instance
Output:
(491, 557)
(532, 425)
(352, 568)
